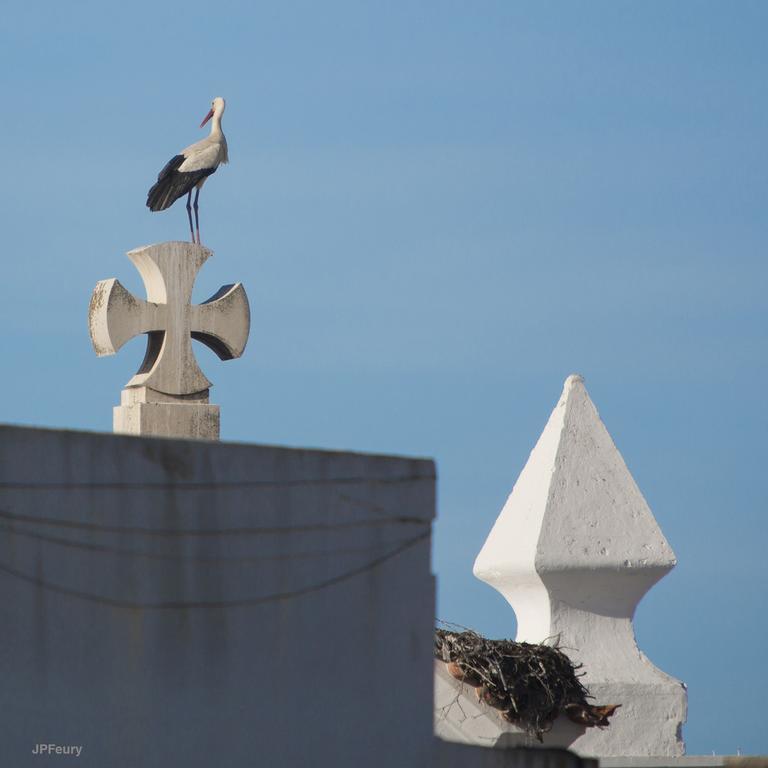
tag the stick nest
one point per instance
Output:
(530, 684)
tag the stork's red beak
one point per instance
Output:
(207, 118)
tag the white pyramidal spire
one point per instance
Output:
(573, 551)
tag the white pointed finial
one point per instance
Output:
(573, 551)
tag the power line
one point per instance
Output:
(246, 602)
(121, 551)
(239, 531)
(225, 485)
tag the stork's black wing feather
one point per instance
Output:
(172, 165)
(173, 184)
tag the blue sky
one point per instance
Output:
(439, 210)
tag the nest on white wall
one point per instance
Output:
(531, 685)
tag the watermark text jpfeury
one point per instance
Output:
(57, 749)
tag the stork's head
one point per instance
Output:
(217, 109)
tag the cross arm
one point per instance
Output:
(115, 316)
(223, 322)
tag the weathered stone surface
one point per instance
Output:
(169, 374)
(169, 270)
(199, 421)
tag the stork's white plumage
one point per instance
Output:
(190, 168)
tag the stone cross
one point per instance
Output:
(169, 393)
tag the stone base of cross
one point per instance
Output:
(169, 394)
(144, 411)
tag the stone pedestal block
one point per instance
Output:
(143, 411)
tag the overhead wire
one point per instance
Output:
(200, 532)
(195, 604)
(212, 485)
(122, 551)
(15, 518)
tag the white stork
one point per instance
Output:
(190, 168)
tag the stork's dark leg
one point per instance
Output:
(189, 213)
(197, 220)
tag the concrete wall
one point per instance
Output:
(131, 626)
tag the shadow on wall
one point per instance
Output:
(452, 755)
(564, 730)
